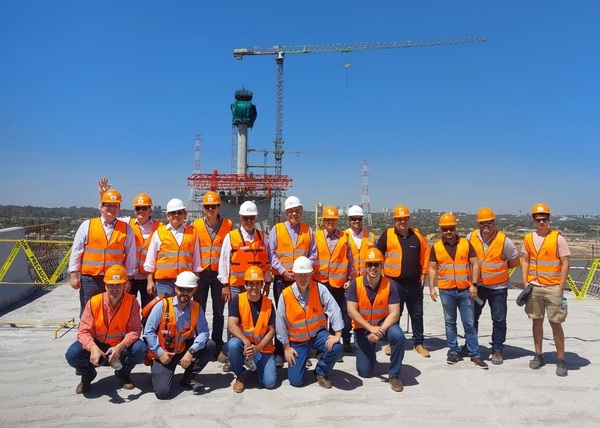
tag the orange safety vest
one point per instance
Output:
(544, 265)
(331, 267)
(169, 337)
(111, 332)
(453, 273)
(392, 266)
(359, 255)
(286, 251)
(494, 270)
(141, 244)
(377, 311)
(255, 333)
(172, 259)
(303, 324)
(245, 254)
(210, 250)
(100, 253)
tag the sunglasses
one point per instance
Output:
(248, 217)
(402, 219)
(541, 219)
(372, 264)
(179, 212)
(448, 229)
(211, 207)
(486, 223)
(185, 290)
(141, 208)
(356, 219)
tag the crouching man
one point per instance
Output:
(177, 333)
(109, 333)
(251, 324)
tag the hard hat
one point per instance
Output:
(374, 255)
(248, 208)
(485, 214)
(115, 274)
(186, 279)
(174, 205)
(540, 208)
(292, 202)
(112, 197)
(447, 219)
(330, 213)
(355, 211)
(254, 273)
(142, 200)
(302, 265)
(211, 198)
(401, 211)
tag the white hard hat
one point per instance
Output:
(248, 208)
(302, 265)
(355, 211)
(292, 202)
(186, 279)
(174, 205)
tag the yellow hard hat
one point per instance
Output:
(142, 200)
(116, 274)
(485, 214)
(401, 211)
(254, 273)
(447, 219)
(374, 255)
(330, 213)
(112, 197)
(211, 198)
(540, 208)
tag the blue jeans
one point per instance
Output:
(79, 358)
(498, 308)
(339, 295)
(411, 293)
(265, 363)
(297, 372)
(451, 301)
(365, 351)
(90, 286)
(209, 282)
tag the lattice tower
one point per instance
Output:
(365, 199)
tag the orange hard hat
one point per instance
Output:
(254, 273)
(115, 274)
(447, 219)
(330, 213)
(112, 197)
(485, 214)
(374, 255)
(540, 208)
(211, 198)
(401, 211)
(142, 200)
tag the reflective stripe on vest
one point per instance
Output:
(303, 324)
(331, 267)
(380, 308)
(494, 270)
(255, 333)
(246, 254)
(113, 333)
(141, 244)
(360, 255)
(172, 258)
(544, 265)
(100, 253)
(453, 273)
(210, 250)
(168, 327)
(286, 251)
(392, 265)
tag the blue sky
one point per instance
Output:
(119, 89)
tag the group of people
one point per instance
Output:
(326, 284)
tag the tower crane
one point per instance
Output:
(280, 51)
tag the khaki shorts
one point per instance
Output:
(546, 299)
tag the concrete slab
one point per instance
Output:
(38, 387)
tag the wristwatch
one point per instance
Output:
(192, 352)
(475, 285)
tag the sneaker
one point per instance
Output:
(388, 349)
(497, 358)
(464, 352)
(84, 385)
(422, 351)
(239, 385)
(308, 363)
(347, 347)
(561, 367)
(323, 381)
(537, 362)
(227, 367)
(453, 359)
(396, 384)
(341, 359)
(479, 363)
(222, 358)
(278, 361)
(126, 382)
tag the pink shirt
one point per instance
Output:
(87, 330)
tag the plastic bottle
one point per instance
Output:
(564, 303)
(250, 364)
(478, 301)
(117, 364)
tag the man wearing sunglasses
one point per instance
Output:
(360, 239)
(173, 249)
(496, 254)
(406, 265)
(453, 262)
(177, 334)
(211, 231)
(545, 265)
(374, 306)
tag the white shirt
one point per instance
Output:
(154, 248)
(225, 257)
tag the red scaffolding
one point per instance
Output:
(242, 184)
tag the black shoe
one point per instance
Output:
(537, 362)
(561, 367)
(126, 382)
(347, 347)
(453, 359)
(190, 383)
(464, 352)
